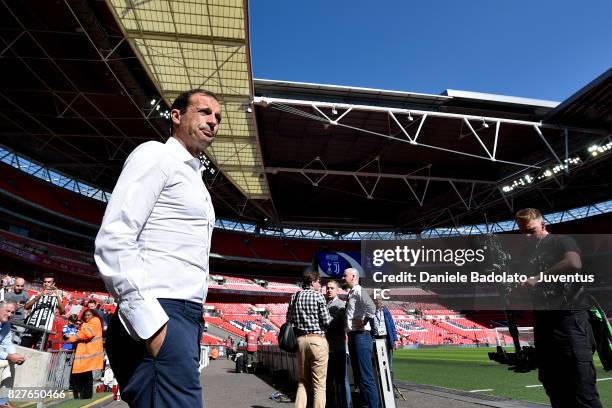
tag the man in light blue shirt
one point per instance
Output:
(7, 348)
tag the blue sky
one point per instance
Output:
(545, 49)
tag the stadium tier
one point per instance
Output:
(23, 187)
(29, 244)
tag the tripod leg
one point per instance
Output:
(398, 392)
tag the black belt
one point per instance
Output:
(311, 334)
(300, 332)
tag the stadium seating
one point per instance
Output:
(413, 326)
(52, 198)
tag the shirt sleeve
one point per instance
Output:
(7, 345)
(288, 316)
(117, 256)
(369, 306)
(324, 316)
(567, 244)
(390, 325)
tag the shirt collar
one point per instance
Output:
(179, 151)
(330, 301)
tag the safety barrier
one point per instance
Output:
(275, 359)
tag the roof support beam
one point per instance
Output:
(198, 39)
(266, 101)
(320, 108)
(539, 132)
(93, 44)
(276, 170)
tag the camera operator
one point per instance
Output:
(564, 340)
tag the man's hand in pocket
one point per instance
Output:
(154, 343)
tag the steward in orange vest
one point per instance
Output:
(89, 353)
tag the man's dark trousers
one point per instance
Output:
(564, 343)
(170, 380)
(360, 350)
(338, 388)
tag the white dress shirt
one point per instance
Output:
(154, 241)
(359, 307)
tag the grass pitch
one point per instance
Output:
(470, 369)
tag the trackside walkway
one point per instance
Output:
(225, 389)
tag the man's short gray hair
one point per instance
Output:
(8, 302)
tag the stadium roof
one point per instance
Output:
(86, 84)
(77, 87)
(364, 158)
(590, 106)
(185, 45)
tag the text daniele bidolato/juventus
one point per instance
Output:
(410, 257)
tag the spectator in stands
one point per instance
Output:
(8, 353)
(3, 287)
(70, 329)
(20, 297)
(310, 317)
(42, 308)
(338, 387)
(75, 307)
(384, 328)
(360, 311)
(158, 224)
(89, 354)
(103, 315)
(93, 305)
(563, 338)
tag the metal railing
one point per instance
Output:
(60, 367)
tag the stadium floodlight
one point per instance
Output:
(485, 124)
(410, 118)
(596, 149)
(334, 111)
(153, 102)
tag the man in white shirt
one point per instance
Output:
(152, 251)
(360, 311)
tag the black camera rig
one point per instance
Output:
(523, 359)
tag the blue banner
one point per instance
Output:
(332, 264)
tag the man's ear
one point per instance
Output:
(175, 116)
